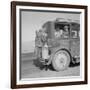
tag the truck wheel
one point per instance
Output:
(61, 60)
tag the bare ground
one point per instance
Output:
(31, 69)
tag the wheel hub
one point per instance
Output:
(61, 60)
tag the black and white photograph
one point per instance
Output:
(50, 44)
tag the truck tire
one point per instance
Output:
(61, 60)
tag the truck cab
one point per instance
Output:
(63, 40)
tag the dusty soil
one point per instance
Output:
(32, 69)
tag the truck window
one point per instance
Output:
(75, 30)
(74, 34)
(62, 31)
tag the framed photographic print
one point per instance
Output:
(48, 44)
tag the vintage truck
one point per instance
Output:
(58, 43)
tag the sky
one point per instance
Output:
(33, 20)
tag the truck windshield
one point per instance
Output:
(62, 30)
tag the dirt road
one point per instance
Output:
(30, 69)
